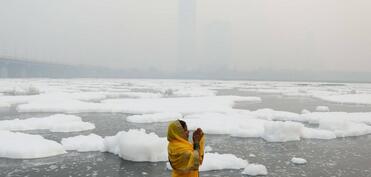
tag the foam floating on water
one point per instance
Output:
(83, 143)
(54, 123)
(193, 92)
(343, 127)
(282, 131)
(348, 98)
(322, 109)
(4, 105)
(26, 146)
(182, 105)
(156, 117)
(279, 126)
(208, 149)
(255, 170)
(338, 93)
(140, 94)
(297, 160)
(22, 90)
(216, 161)
(137, 145)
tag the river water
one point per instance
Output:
(341, 157)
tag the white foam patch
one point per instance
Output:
(208, 149)
(264, 124)
(263, 90)
(156, 117)
(16, 99)
(277, 126)
(174, 88)
(141, 95)
(339, 92)
(299, 161)
(332, 124)
(235, 124)
(255, 170)
(348, 98)
(82, 96)
(193, 92)
(283, 88)
(4, 105)
(63, 105)
(181, 105)
(54, 123)
(270, 114)
(360, 117)
(22, 90)
(54, 98)
(82, 143)
(311, 133)
(322, 109)
(344, 128)
(26, 146)
(137, 106)
(74, 96)
(246, 125)
(216, 161)
(311, 117)
(305, 111)
(137, 145)
(282, 131)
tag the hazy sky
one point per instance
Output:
(240, 34)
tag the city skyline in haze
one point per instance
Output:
(238, 35)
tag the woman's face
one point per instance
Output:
(186, 132)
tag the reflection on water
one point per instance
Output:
(346, 157)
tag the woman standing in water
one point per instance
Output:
(185, 158)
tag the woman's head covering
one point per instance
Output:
(176, 132)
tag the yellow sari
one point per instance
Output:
(184, 160)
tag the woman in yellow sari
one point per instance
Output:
(185, 158)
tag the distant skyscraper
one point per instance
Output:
(186, 34)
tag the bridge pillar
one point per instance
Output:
(4, 71)
(23, 71)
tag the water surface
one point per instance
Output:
(341, 157)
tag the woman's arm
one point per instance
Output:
(199, 145)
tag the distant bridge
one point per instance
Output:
(16, 68)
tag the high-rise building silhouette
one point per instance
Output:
(186, 34)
